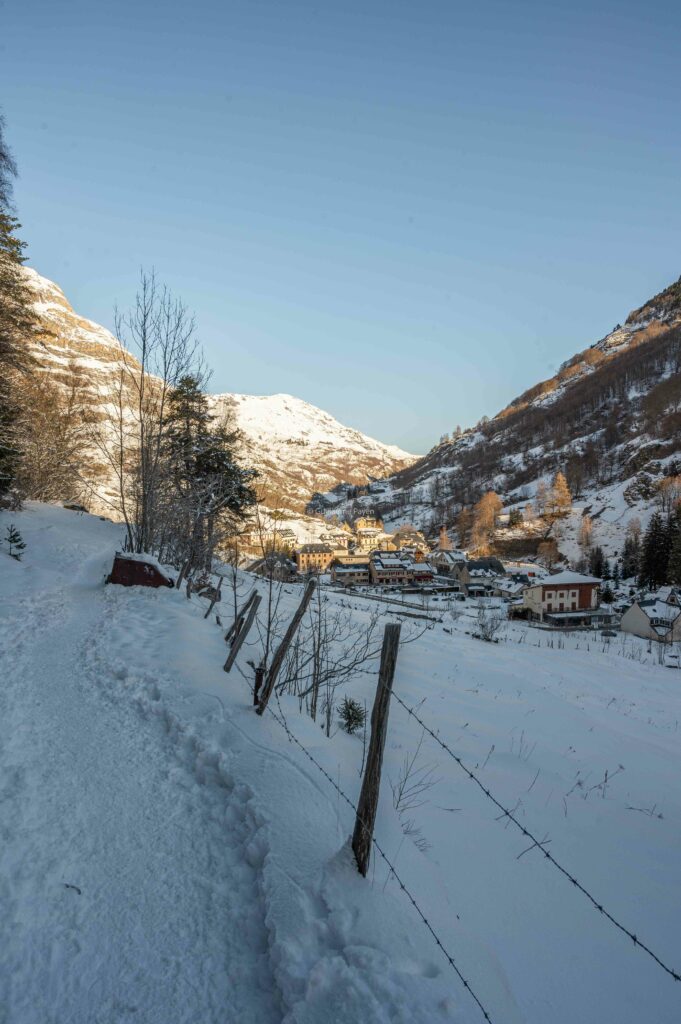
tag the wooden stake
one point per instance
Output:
(368, 800)
(234, 628)
(215, 598)
(284, 646)
(183, 572)
(243, 633)
(259, 676)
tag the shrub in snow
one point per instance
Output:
(15, 542)
(352, 715)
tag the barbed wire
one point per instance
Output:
(466, 984)
(539, 844)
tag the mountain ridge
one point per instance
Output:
(297, 448)
(610, 418)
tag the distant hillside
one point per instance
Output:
(610, 419)
(297, 448)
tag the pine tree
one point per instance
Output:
(17, 319)
(631, 554)
(15, 541)
(351, 714)
(655, 553)
(597, 564)
(204, 481)
(674, 564)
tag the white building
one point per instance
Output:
(655, 618)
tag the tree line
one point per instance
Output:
(178, 483)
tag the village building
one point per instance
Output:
(340, 539)
(353, 558)
(286, 537)
(421, 571)
(567, 598)
(408, 536)
(529, 569)
(314, 558)
(387, 569)
(655, 618)
(351, 573)
(367, 538)
(511, 587)
(276, 566)
(368, 522)
(490, 566)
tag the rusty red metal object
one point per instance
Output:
(134, 571)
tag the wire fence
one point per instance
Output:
(506, 813)
(452, 963)
(537, 843)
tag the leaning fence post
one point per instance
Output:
(278, 658)
(215, 598)
(368, 800)
(242, 634)
(236, 625)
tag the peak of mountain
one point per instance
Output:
(297, 448)
(300, 450)
(610, 418)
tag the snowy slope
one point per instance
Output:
(609, 419)
(300, 449)
(297, 448)
(211, 855)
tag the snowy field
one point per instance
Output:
(168, 856)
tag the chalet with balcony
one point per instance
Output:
(567, 598)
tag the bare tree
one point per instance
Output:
(157, 349)
(52, 432)
(333, 646)
(489, 621)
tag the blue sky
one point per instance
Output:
(404, 213)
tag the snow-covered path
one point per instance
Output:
(148, 906)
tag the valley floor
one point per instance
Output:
(169, 857)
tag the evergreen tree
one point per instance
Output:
(351, 714)
(205, 484)
(655, 553)
(674, 564)
(607, 596)
(17, 318)
(15, 541)
(597, 562)
(631, 553)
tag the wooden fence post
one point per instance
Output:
(236, 625)
(284, 646)
(368, 800)
(243, 633)
(183, 572)
(215, 598)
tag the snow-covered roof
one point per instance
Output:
(656, 609)
(566, 579)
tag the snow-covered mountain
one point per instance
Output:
(297, 448)
(610, 419)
